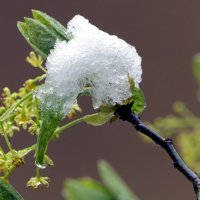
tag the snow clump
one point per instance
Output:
(91, 58)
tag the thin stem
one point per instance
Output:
(6, 139)
(68, 125)
(38, 172)
(14, 106)
(8, 142)
(29, 149)
(39, 78)
(125, 113)
(42, 68)
(3, 153)
(5, 177)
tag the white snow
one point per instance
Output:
(92, 58)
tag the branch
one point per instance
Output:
(125, 113)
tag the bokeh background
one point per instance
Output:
(166, 35)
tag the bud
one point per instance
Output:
(36, 182)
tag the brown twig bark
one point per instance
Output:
(124, 112)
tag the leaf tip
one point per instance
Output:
(102, 165)
(35, 13)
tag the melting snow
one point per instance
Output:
(92, 57)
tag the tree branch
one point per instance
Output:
(125, 113)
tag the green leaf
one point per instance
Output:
(114, 183)
(7, 192)
(138, 98)
(95, 185)
(40, 36)
(42, 32)
(50, 121)
(139, 101)
(52, 24)
(99, 118)
(196, 67)
(22, 26)
(85, 189)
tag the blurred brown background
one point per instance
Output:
(166, 35)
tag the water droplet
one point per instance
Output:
(40, 166)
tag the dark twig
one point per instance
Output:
(124, 112)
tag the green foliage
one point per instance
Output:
(40, 35)
(51, 23)
(22, 26)
(190, 150)
(183, 120)
(50, 123)
(184, 126)
(196, 71)
(12, 160)
(196, 67)
(114, 183)
(139, 101)
(100, 118)
(7, 192)
(41, 32)
(21, 110)
(86, 189)
(137, 98)
(114, 188)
